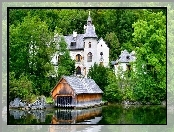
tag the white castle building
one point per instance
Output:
(123, 62)
(86, 49)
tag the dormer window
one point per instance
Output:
(73, 44)
(89, 44)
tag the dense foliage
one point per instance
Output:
(150, 33)
(147, 84)
(66, 66)
(97, 72)
(141, 30)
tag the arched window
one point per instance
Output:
(78, 58)
(89, 44)
(89, 57)
(78, 70)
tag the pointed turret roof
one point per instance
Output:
(90, 29)
(89, 18)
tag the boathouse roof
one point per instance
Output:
(81, 85)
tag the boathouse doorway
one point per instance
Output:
(64, 101)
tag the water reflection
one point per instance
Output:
(39, 115)
(111, 114)
(87, 116)
(57, 116)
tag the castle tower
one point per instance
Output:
(90, 44)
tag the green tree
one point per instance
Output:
(114, 45)
(125, 19)
(21, 87)
(31, 48)
(112, 92)
(150, 33)
(99, 74)
(66, 66)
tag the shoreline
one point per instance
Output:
(52, 106)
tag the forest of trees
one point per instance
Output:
(31, 46)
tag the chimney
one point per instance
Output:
(74, 34)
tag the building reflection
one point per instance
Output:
(76, 116)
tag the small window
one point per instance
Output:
(89, 44)
(101, 45)
(128, 57)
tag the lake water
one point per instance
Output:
(111, 114)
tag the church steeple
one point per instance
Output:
(89, 21)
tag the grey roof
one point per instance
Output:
(126, 57)
(82, 85)
(90, 32)
(78, 40)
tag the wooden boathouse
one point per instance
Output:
(72, 91)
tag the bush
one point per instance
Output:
(21, 87)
